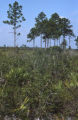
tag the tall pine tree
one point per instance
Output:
(15, 17)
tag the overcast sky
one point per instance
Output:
(31, 8)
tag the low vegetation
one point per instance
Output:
(38, 83)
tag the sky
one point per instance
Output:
(31, 9)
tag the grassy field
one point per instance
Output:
(38, 83)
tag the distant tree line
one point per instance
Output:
(51, 29)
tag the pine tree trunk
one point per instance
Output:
(69, 42)
(50, 42)
(59, 41)
(54, 42)
(45, 43)
(41, 40)
(64, 46)
(14, 36)
(33, 43)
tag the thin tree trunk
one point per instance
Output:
(33, 43)
(69, 42)
(54, 42)
(59, 42)
(41, 40)
(14, 36)
(45, 43)
(64, 46)
(50, 42)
